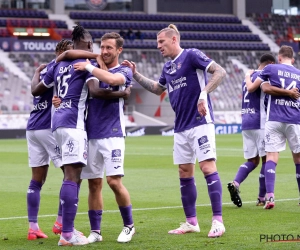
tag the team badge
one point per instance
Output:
(96, 4)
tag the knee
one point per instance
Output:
(114, 184)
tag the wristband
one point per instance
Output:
(89, 67)
(203, 95)
(247, 74)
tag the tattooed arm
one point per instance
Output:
(218, 75)
(145, 82)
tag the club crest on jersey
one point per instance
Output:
(173, 68)
(179, 65)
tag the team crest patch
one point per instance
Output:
(116, 153)
(85, 155)
(96, 4)
(178, 65)
(202, 140)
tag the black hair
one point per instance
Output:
(63, 45)
(267, 58)
(79, 34)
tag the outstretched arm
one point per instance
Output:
(103, 75)
(218, 75)
(78, 54)
(75, 54)
(145, 82)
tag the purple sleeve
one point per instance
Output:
(48, 79)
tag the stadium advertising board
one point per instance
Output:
(13, 44)
(135, 131)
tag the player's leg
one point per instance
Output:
(184, 156)
(293, 134)
(261, 200)
(205, 145)
(94, 172)
(73, 143)
(95, 202)
(39, 162)
(252, 141)
(275, 141)
(113, 154)
(123, 200)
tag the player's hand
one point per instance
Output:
(41, 67)
(130, 64)
(249, 72)
(56, 101)
(294, 93)
(201, 107)
(127, 92)
(101, 63)
(81, 65)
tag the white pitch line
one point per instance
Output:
(144, 209)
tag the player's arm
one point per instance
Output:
(148, 84)
(218, 75)
(37, 87)
(102, 75)
(75, 54)
(272, 90)
(101, 93)
(252, 86)
(78, 54)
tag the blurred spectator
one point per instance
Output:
(122, 33)
(130, 35)
(139, 35)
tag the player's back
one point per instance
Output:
(40, 116)
(282, 108)
(253, 107)
(73, 91)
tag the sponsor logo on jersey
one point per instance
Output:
(65, 105)
(178, 83)
(40, 106)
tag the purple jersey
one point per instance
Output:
(185, 77)
(253, 108)
(40, 116)
(282, 108)
(105, 117)
(72, 90)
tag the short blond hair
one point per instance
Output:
(171, 30)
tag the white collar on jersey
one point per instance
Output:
(177, 55)
(114, 67)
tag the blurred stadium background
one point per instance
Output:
(235, 33)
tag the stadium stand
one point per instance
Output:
(222, 37)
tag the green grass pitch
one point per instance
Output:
(152, 181)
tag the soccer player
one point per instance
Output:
(106, 132)
(185, 77)
(282, 121)
(41, 145)
(253, 123)
(68, 126)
